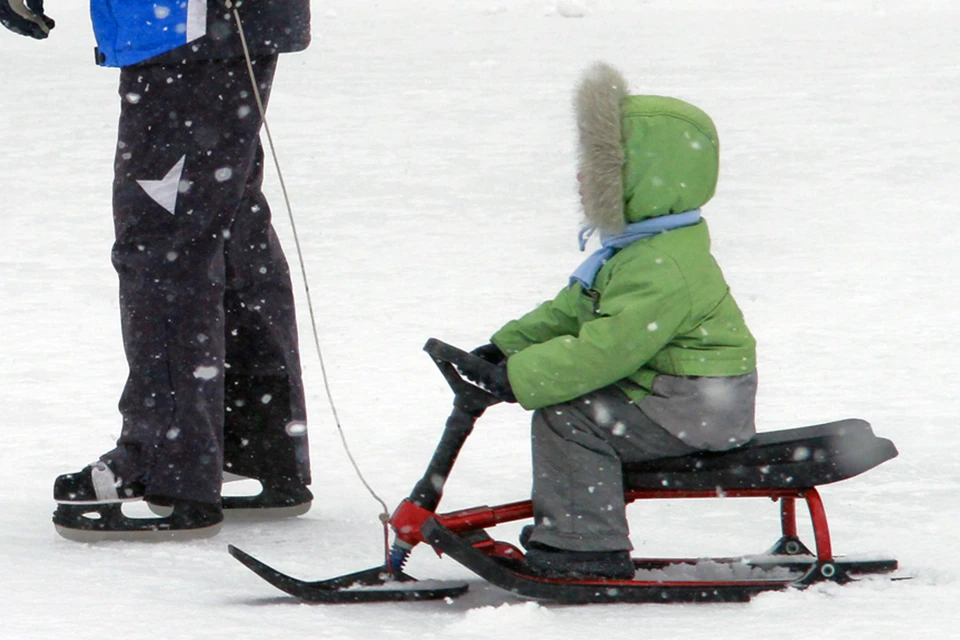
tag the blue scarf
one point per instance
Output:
(586, 273)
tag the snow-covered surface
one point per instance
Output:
(428, 147)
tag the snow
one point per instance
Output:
(428, 148)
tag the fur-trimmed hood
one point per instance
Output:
(640, 156)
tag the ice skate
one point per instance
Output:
(252, 498)
(90, 508)
(97, 483)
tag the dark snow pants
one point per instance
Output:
(579, 448)
(206, 301)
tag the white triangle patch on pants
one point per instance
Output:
(165, 191)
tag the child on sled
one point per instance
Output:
(645, 353)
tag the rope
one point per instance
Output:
(385, 515)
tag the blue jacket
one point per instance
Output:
(169, 31)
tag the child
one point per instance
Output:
(645, 354)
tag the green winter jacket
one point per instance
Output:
(660, 305)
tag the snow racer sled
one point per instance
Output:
(785, 466)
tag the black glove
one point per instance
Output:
(496, 381)
(26, 17)
(489, 352)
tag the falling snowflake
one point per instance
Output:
(206, 372)
(296, 429)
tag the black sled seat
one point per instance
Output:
(791, 459)
(782, 465)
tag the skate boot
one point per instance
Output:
(265, 446)
(278, 497)
(90, 509)
(95, 484)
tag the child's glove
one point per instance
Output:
(26, 17)
(494, 378)
(491, 353)
(496, 381)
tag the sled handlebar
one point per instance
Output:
(456, 364)
(462, 360)
(469, 403)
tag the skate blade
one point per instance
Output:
(232, 513)
(248, 499)
(241, 514)
(105, 522)
(97, 503)
(144, 535)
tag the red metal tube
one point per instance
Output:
(821, 532)
(484, 517)
(788, 517)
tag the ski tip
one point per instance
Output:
(236, 552)
(265, 571)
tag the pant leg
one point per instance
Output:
(579, 448)
(265, 415)
(187, 142)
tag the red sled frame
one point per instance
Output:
(408, 520)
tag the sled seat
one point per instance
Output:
(791, 459)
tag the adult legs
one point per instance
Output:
(187, 178)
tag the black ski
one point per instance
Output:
(370, 585)
(591, 591)
(798, 564)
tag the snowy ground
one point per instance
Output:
(428, 147)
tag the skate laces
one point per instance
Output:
(104, 482)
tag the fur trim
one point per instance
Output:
(600, 153)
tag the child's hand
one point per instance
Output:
(491, 353)
(496, 381)
(492, 375)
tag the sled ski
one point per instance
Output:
(589, 591)
(784, 466)
(371, 585)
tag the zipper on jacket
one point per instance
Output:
(594, 296)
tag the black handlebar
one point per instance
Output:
(469, 403)
(469, 364)
(452, 361)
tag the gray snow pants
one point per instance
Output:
(206, 302)
(579, 448)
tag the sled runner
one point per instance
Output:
(785, 466)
